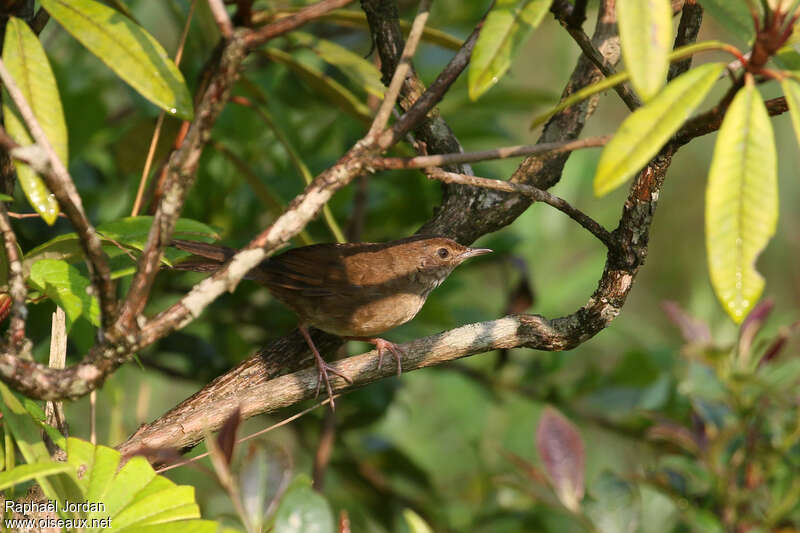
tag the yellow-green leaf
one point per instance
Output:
(127, 49)
(507, 26)
(65, 285)
(359, 70)
(791, 90)
(645, 31)
(646, 130)
(741, 202)
(23, 473)
(27, 63)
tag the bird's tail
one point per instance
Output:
(205, 257)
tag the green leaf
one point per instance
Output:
(27, 63)
(645, 131)
(791, 90)
(28, 438)
(329, 88)
(118, 236)
(359, 70)
(65, 285)
(734, 15)
(645, 30)
(26, 472)
(134, 497)
(39, 417)
(741, 202)
(6, 198)
(133, 231)
(127, 49)
(303, 510)
(415, 522)
(507, 26)
(616, 506)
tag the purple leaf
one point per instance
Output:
(561, 449)
(226, 439)
(693, 330)
(752, 325)
(778, 344)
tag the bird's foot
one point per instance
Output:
(323, 369)
(382, 345)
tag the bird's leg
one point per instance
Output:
(322, 367)
(381, 345)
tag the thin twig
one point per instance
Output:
(287, 24)
(434, 93)
(497, 153)
(254, 435)
(568, 19)
(221, 17)
(16, 281)
(151, 152)
(400, 73)
(532, 192)
(61, 185)
(180, 176)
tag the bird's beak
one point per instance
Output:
(473, 252)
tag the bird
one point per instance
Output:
(353, 290)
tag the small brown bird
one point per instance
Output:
(353, 290)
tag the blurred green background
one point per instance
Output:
(437, 440)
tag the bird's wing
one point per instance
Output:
(318, 270)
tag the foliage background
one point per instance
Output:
(432, 440)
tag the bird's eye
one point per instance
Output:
(443, 252)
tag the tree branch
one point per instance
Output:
(221, 17)
(400, 73)
(572, 19)
(61, 185)
(16, 282)
(279, 27)
(532, 192)
(439, 160)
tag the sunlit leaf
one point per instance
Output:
(741, 202)
(791, 90)
(23, 473)
(118, 236)
(127, 49)
(645, 31)
(133, 497)
(67, 287)
(507, 26)
(27, 63)
(561, 448)
(645, 131)
(415, 522)
(28, 439)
